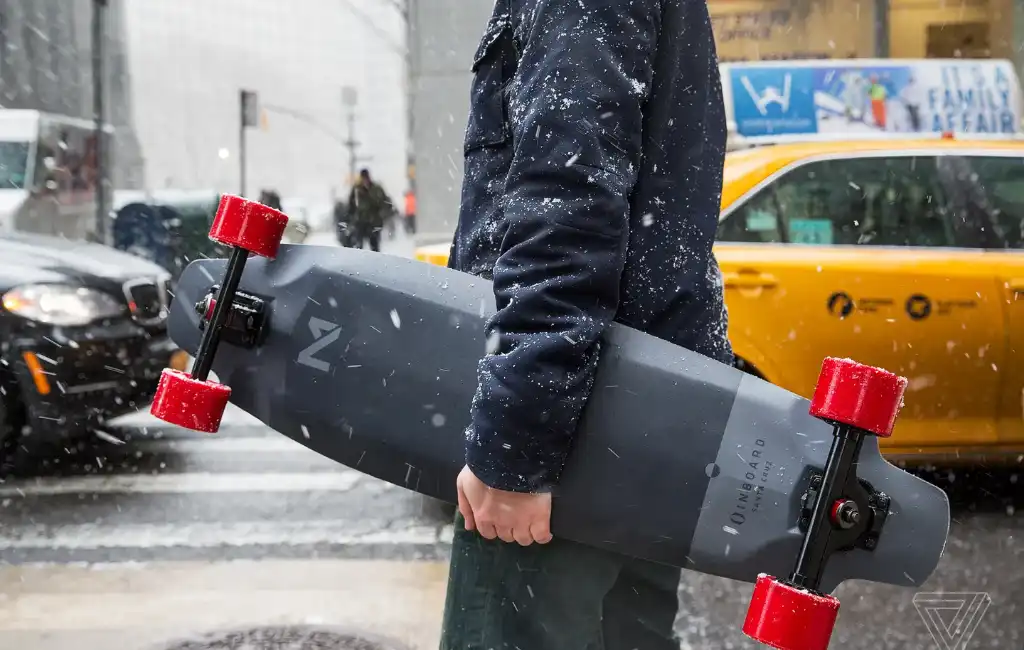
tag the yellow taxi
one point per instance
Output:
(905, 254)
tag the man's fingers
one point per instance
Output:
(505, 534)
(487, 530)
(541, 532)
(522, 535)
(466, 510)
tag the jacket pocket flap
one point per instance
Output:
(495, 29)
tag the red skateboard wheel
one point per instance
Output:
(789, 618)
(248, 225)
(190, 403)
(857, 395)
(211, 305)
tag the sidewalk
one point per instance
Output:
(162, 605)
(403, 245)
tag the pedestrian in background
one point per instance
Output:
(369, 207)
(410, 212)
(271, 199)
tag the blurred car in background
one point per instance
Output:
(48, 174)
(83, 336)
(172, 227)
(904, 254)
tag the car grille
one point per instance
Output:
(147, 300)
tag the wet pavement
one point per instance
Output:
(982, 570)
(177, 540)
(329, 604)
(173, 535)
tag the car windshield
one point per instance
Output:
(13, 165)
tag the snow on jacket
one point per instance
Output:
(593, 177)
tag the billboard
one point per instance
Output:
(872, 97)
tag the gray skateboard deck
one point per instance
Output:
(370, 360)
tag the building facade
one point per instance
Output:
(46, 65)
(191, 58)
(445, 33)
(749, 30)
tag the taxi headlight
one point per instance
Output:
(58, 304)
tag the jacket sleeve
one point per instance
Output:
(575, 106)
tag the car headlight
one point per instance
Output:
(59, 304)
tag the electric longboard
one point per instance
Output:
(371, 360)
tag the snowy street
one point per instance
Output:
(177, 540)
(175, 534)
(180, 534)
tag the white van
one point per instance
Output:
(48, 173)
(786, 101)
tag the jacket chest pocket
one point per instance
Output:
(493, 67)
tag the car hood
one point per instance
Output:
(38, 258)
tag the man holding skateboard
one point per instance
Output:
(593, 172)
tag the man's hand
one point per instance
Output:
(509, 516)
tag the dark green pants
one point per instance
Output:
(559, 596)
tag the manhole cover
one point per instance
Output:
(283, 638)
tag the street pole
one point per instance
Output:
(352, 144)
(248, 105)
(882, 23)
(241, 159)
(410, 83)
(98, 90)
(349, 99)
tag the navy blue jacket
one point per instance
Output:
(593, 177)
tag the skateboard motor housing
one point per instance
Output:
(191, 400)
(840, 511)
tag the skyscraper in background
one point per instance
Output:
(190, 58)
(444, 35)
(46, 65)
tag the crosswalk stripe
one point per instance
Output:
(257, 445)
(214, 534)
(233, 416)
(196, 482)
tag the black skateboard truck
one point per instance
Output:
(840, 513)
(191, 400)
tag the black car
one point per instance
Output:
(83, 336)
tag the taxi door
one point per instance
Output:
(993, 190)
(1009, 269)
(855, 257)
